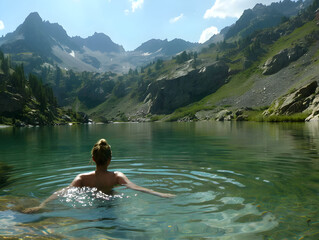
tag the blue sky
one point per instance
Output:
(130, 22)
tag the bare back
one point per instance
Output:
(103, 181)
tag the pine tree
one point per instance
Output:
(58, 76)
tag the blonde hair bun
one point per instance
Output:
(102, 142)
(101, 152)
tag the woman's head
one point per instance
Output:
(101, 152)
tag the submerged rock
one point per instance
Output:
(5, 171)
(17, 203)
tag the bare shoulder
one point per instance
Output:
(78, 180)
(121, 178)
(118, 174)
(86, 174)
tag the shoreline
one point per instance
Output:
(5, 126)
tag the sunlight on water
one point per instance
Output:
(232, 181)
(84, 197)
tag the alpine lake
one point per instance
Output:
(232, 180)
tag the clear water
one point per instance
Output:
(232, 181)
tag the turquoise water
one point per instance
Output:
(232, 181)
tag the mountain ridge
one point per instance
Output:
(99, 42)
(263, 16)
(97, 53)
(244, 72)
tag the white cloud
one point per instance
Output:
(232, 8)
(126, 11)
(207, 34)
(136, 4)
(1, 25)
(175, 19)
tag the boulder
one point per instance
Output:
(229, 118)
(295, 102)
(299, 100)
(295, 53)
(224, 115)
(239, 112)
(276, 63)
(282, 59)
(314, 116)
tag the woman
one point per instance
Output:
(101, 178)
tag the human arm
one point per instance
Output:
(124, 181)
(77, 182)
(42, 205)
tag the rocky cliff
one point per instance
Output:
(304, 99)
(186, 86)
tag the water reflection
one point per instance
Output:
(232, 180)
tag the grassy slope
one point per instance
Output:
(116, 109)
(239, 84)
(243, 81)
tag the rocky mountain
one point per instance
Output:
(262, 16)
(235, 79)
(37, 36)
(99, 42)
(259, 17)
(164, 47)
(37, 42)
(226, 80)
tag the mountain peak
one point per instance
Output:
(264, 16)
(101, 36)
(99, 42)
(33, 17)
(164, 46)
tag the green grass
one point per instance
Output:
(243, 81)
(257, 116)
(298, 117)
(156, 118)
(239, 84)
(316, 56)
(290, 40)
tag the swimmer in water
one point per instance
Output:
(101, 178)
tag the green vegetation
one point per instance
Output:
(126, 97)
(246, 55)
(188, 111)
(257, 116)
(27, 101)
